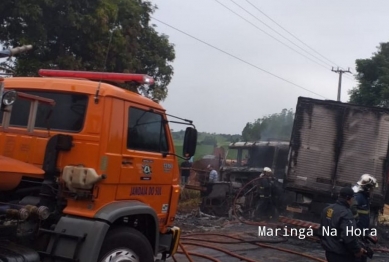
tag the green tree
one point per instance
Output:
(251, 131)
(276, 126)
(373, 78)
(76, 35)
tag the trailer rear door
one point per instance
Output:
(334, 143)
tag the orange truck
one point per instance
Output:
(88, 170)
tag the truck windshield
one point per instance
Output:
(262, 156)
(68, 114)
(251, 157)
(237, 157)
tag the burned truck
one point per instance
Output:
(249, 159)
(331, 146)
(244, 161)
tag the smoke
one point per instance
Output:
(266, 134)
(277, 126)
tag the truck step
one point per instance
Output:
(50, 252)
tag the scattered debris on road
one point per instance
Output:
(210, 238)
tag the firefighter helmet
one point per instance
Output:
(267, 169)
(367, 181)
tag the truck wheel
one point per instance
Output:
(126, 244)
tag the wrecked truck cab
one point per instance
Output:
(244, 162)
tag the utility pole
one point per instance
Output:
(340, 78)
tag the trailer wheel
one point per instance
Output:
(126, 244)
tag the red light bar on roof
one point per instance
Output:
(103, 76)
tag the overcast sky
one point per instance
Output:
(221, 93)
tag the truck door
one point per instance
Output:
(145, 174)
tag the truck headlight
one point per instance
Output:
(9, 97)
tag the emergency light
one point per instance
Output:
(100, 76)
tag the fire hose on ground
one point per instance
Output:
(245, 221)
(242, 240)
(242, 258)
(255, 242)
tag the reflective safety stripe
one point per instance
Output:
(356, 215)
(363, 212)
(264, 196)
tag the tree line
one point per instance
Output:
(276, 126)
(118, 36)
(205, 138)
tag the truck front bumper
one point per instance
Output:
(176, 232)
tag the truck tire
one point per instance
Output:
(127, 245)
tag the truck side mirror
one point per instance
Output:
(190, 142)
(7, 98)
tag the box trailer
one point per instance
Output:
(332, 145)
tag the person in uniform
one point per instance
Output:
(363, 190)
(342, 246)
(267, 191)
(185, 171)
(361, 207)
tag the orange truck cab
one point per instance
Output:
(88, 170)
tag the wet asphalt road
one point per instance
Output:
(257, 253)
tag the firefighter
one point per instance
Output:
(361, 208)
(362, 191)
(342, 246)
(266, 208)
